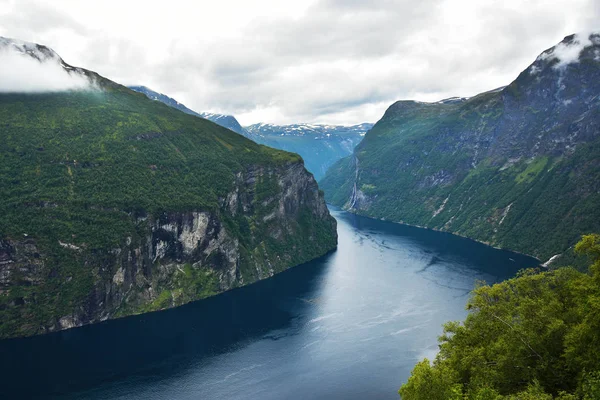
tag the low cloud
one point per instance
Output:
(26, 69)
(568, 52)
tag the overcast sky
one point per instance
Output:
(323, 61)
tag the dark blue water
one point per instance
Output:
(350, 325)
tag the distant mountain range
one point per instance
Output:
(516, 167)
(319, 145)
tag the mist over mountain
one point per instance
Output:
(33, 68)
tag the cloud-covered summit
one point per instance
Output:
(31, 68)
(569, 50)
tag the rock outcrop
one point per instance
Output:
(178, 257)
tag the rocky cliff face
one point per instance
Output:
(112, 204)
(177, 257)
(515, 167)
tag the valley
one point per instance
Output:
(448, 251)
(349, 325)
(516, 167)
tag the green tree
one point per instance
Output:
(431, 383)
(531, 337)
(590, 246)
(590, 387)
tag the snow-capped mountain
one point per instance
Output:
(228, 121)
(319, 145)
(317, 130)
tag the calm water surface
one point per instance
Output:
(350, 325)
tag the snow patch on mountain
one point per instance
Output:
(317, 130)
(453, 100)
(31, 68)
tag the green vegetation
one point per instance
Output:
(531, 337)
(533, 169)
(188, 284)
(515, 168)
(421, 156)
(82, 174)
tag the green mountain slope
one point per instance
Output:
(319, 145)
(517, 167)
(226, 121)
(113, 204)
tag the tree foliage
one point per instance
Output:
(536, 336)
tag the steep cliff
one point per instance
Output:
(112, 204)
(517, 167)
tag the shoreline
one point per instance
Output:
(541, 264)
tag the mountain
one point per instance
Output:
(517, 167)
(113, 204)
(227, 121)
(31, 68)
(319, 145)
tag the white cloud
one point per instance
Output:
(568, 52)
(25, 68)
(338, 61)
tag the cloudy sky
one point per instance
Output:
(323, 61)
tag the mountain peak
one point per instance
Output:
(31, 67)
(532, 146)
(571, 50)
(34, 50)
